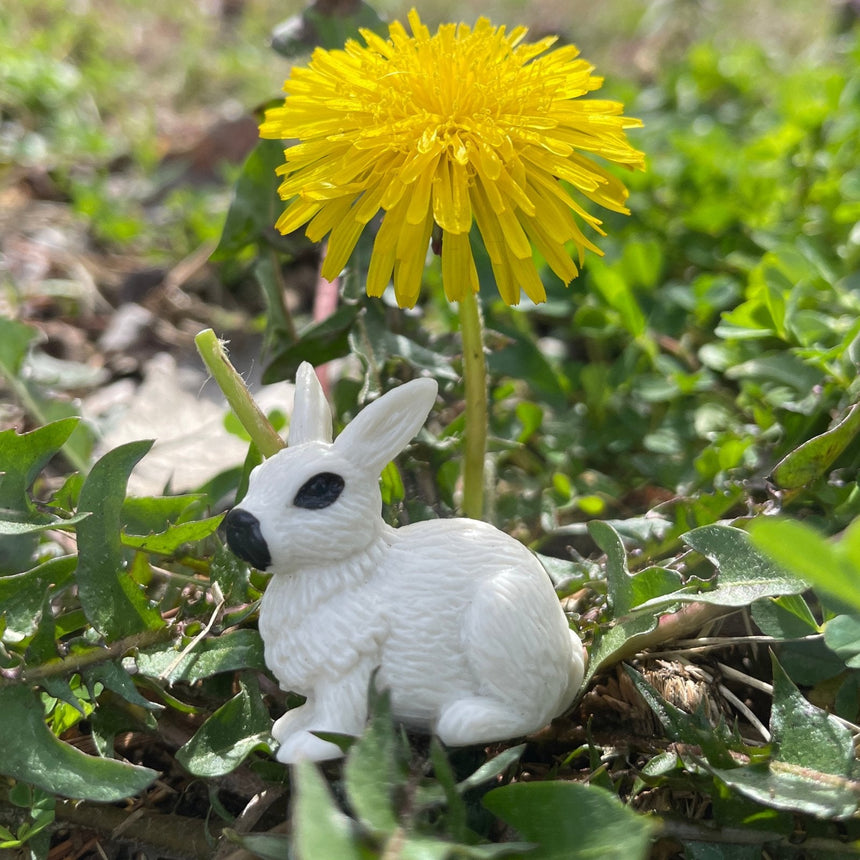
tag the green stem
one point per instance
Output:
(262, 434)
(475, 377)
(91, 657)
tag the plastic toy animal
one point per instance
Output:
(460, 620)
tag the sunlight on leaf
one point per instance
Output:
(230, 735)
(570, 821)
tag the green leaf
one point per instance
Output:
(786, 617)
(492, 769)
(15, 341)
(318, 344)
(681, 727)
(43, 646)
(791, 788)
(231, 574)
(255, 205)
(303, 32)
(21, 595)
(618, 639)
(320, 830)
(813, 458)
(112, 601)
(626, 592)
(619, 587)
(22, 458)
(371, 772)
(653, 583)
(242, 649)
(812, 759)
(230, 735)
(173, 539)
(279, 324)
(30, 753)
(570, 821)
(804, 735)
(117, 680)
(832, 567)
(14, 527)
(144, 515)
(263, 845)
(842, 635)
(744, 574)
(374, 340)
(456, 813)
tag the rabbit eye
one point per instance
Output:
(320, 491)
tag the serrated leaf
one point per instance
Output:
(230, 735)
(31, 753)
(59, 688)
(144, 515)
(42, 647)
(653, 583)
(619, 588)
(744, 573)
(626, 591)
(842, 635)
(117, 680)
(242, 649)
(320, 830)
(174, 538)
(112, 601)
(21, 595)
(570, 821)
(24, 455)
(279, 324)
(14, 527)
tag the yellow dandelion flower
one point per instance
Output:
(467, 126)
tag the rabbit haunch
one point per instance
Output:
(460, 620)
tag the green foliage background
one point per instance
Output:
(676, 433)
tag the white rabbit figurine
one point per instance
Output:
(460, 619)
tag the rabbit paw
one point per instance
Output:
(303, 746)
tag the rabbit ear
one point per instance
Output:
(311, 419)
(381, 430)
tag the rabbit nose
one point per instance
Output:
(245, 539)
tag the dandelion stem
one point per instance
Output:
(475, 377)
(262, 434)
